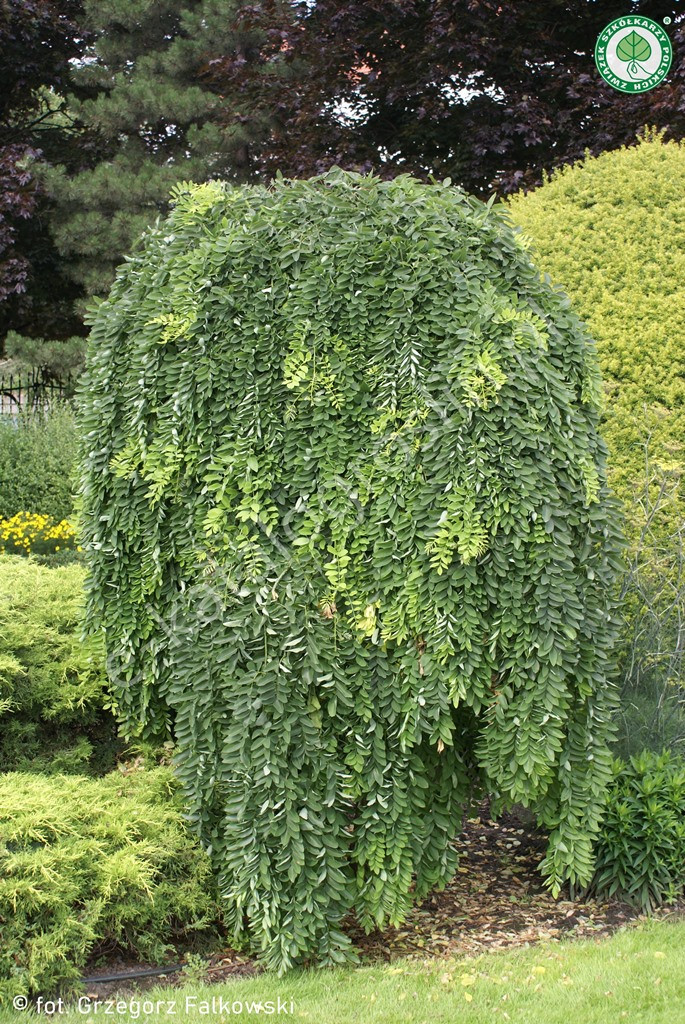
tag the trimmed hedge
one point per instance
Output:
(611, 231)
(53, 685)
(38, 463)
(90, 861)
(349, 537)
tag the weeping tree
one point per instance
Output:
(350, 540)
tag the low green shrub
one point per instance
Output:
(54, 704)
(37, 463)
(641, 847)
(85, 862)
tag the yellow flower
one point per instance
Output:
(24, 530)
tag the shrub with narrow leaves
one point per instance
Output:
(350, 540)
(37, 463)
(641, 846)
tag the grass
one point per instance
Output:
(637, 975)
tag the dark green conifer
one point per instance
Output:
(152, 117)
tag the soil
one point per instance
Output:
(496, 900)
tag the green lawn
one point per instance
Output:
(638, 975)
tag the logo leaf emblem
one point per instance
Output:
(632, 49)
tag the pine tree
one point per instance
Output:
(146, 89)
(38, 38)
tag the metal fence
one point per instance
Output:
(33, 391)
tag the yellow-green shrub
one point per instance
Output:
(611, 231)
(90, 861)
(53, 688)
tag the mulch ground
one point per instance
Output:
(496, 900)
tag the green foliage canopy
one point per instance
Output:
(350, 539)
